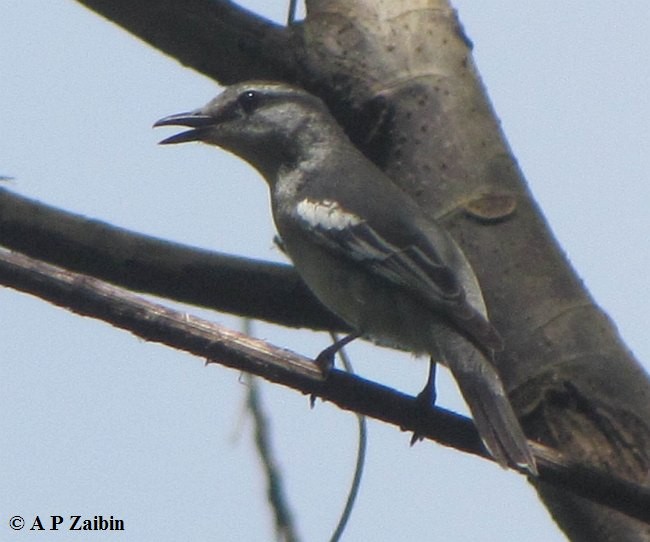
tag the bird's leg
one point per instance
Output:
(427, 397)
(428, 394)
(291, 16)
(279, 244)
(325, 360)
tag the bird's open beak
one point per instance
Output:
(196, 120)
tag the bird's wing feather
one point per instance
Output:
(416, 266)
(406, 259)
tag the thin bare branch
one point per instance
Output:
(284, 524)
(153, 322)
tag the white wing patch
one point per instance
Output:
(326, 214)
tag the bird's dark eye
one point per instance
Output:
(249, 100)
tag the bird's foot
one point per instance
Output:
(325, 360)
(426, 398)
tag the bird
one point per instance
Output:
(364, 247)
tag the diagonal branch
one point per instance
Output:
(241, 286)
(214, 37)
(91, 297)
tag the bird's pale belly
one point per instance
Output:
(378, 310)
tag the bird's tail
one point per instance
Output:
(493, 415)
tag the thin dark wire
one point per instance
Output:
(361, 457)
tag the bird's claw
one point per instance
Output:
(423, 402)
(325, 360)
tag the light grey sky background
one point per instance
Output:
(95, 421)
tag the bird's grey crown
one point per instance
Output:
(272, 126)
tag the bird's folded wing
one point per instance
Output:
(415, 266)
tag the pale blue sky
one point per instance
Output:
(98, 422)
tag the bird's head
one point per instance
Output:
(267, 124)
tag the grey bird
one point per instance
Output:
(364, 247)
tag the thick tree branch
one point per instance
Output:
(241, 286)
(572, 380)
(217, 38)
(153, 322)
